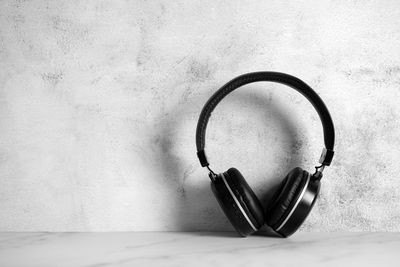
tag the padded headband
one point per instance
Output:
(295, 83)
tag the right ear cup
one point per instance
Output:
(238, 202)
(293, 202)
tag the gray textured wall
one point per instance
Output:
(99, 103)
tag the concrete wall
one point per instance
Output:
(100, 99)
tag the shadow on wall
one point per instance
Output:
(195, 208)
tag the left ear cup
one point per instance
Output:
(238, 202)
(246, 196)
(293, 203)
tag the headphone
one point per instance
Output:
(298, 192)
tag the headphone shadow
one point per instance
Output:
(195, 201)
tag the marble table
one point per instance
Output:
(198, 249)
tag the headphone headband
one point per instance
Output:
(267, 76)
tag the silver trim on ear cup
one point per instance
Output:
(295, 205)
(237, 202)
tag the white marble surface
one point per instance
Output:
(197, 249)
(99, 102)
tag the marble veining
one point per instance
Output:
(99, 102)
(197, 249)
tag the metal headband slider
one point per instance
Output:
(326, 157)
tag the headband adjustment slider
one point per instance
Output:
(326, 156)
(203, 158)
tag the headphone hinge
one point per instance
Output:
(318, 172)
(212, 174)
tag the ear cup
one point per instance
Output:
(247, 197)
(238, 202)
(287, 196)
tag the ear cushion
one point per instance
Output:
(248, 200)
(287, 195)
(230, 207)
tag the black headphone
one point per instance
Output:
(298, 191)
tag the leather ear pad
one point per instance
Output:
(248, 200)
(238, 202)
(287, 195)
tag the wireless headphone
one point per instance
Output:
(298, 191)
